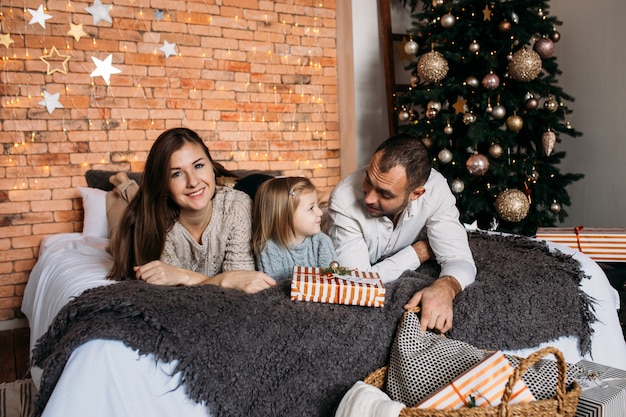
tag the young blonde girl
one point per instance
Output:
(287, 228)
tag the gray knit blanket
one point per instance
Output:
(266, 355)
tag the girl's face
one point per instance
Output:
(191, 179)
(307, 218)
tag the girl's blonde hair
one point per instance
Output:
(275, 202)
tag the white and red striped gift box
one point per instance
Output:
(600, 244)
(358, 289)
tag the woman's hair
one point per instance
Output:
(140, 237)
(275, 202)
(409, 152)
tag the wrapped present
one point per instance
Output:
(481, 386)
(600, 244)
(353, 288)
(603, 391)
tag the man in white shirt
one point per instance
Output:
(394, 215)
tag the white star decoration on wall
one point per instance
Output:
(159, 14)
(168, 49)
(51, 101)
(99, 12)
(104, 68)
(77, 31)
(38, 16)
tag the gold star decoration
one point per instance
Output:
(402, 55)
(60, 61)
(6, 40)
(459, 106)
(77, 31)
(486, 13)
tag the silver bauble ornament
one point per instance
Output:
(525, 65)
(434, 105)
(432, 67)
(403, 116)
(469, 118)
(457, 186)
(551, 105)
(477, 164)
(472, 81)
(514, 123)
(444, 156)
(448, 130)
(448, 20)
(410, 47)
(555, 207)
(498, 112)
(491, 81)
(495, 150)
(544, 47)
(548, 139)
(514, 18)
(474, 47)
(512, 205)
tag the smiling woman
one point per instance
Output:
(180, 228)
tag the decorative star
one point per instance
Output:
(6, 40)
(104, 68)
(486, 13)
(99, 12)
(159, 14)
(38, 16)
(168, 49)
(51, 101)
(77, 31)
(459, 106)
(61, 65)
(402, 55)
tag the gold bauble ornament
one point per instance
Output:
(432, 67)
(548, 139)
(525, 65)
(496, 151)
(551, 105)
(512, 205)
(514, 123)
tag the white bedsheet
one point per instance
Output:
(106, 378)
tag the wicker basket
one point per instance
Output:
(562, 405)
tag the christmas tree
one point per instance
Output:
(484, 99)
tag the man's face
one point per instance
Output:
(385, 193)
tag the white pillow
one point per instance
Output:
(95, 218)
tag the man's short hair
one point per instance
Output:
(409, 152)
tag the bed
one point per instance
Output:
(103, 376)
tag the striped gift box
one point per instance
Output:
(600, 244)
(358, 288)
(481, 386)
(604, 391)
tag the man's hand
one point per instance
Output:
(436, 302)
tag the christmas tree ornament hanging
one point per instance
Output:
(555, 207)
(448, 20)
(555, 36)
(498, 112)
(514, 18)
(495, 150)
(457, 186)
(548, 139)
(448, 130)
(474, 47)
(544, 47)
(415, 80)
(525, 65)
(514, 123)
(469, 118)
(411, 47)
(504, 26)
(512, 205)
(444, 156)
(403, 115)
(531, 102)
(431, 113)
(551, 105)
(437, 3)
(434, 105)
(427, 141)
(477, 164)
(472, 81)
(432, 67)
(491, 81)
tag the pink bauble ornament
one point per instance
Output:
(477, 164)
(544, 47)
(555, 36)
(491, 81)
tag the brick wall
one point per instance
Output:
(257, 79)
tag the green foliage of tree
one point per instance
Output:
(480, 41)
